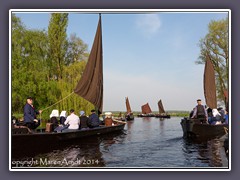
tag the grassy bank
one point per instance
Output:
(171, 113)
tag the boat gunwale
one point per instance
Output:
(69, 132)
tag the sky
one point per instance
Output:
(146, 56)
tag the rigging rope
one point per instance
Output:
(55, 104)
(58, 101)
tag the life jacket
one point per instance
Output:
(200, 111)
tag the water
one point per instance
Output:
(145, 142)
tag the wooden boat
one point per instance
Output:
(195, 129)
(146, 111)
(129, 115)
(21, 136)
(162, 112)
(198, 128)
(89, 87)
(120, 117)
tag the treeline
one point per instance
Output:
(47, 66)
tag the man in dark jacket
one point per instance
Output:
(30, 114)
(94, 119)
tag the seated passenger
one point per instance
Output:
(216, 118)
(62, 126)
(94, 120)
(72, 120)
(226, 117)
(84, 121)
(53, 118)
(63, 117)
(209, 112)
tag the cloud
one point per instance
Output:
(148, 23)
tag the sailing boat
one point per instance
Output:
(193, 128)
(90, 87)
(162, 113)
(146, 111)
(129, 115)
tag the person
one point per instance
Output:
(30, 114)
(62, 126)
(84, 121)
(94, 120)
(216, 118)
(200, 111)
(72, 120)
(53, 118)
(209, 112)
(191, 113)
(222, 113)
(226, 117)
(63, 117)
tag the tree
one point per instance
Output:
(36, 73)
(29, 70)
(77, 50)
(57, 37)
(216, 45)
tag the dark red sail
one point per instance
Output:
(209, 84)
(90, 86)
(129, 110)
(146, 109)
(160, 107)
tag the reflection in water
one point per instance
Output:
(79, 154)
(202, 154)
(129, 126)
(145, 142)
(161, 122)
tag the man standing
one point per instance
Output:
(200, 111)
(30, 114)
(94, 119)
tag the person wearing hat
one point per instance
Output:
(72, 120)
(63, 117)
(94, 119)
(84, 121)
(200, 111)
(53, 118)
(30, 114)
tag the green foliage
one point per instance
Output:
(57, 37)
(215, 43)
(47, 66)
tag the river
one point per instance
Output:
(144, 143)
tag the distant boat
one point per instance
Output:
(90, 87)
(146, 111)
(193, 128)
(129, 115)
(162, 113)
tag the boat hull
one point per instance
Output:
(163, 116)
(194, 129)
(129, 117)
(22, 143)
(145, 115)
